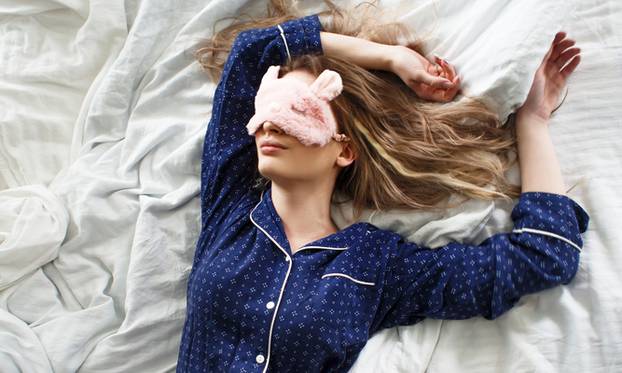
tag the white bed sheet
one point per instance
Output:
(102, 117)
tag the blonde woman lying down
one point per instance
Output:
(308, 108)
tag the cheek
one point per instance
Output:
(315, 160)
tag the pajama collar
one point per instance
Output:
(265, 217)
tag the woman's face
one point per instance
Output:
(295, 161)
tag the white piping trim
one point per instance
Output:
(289, 268)
(321, 247)
(348, 277)
(530, 230)
(289, 57)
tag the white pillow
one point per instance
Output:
(495, 45)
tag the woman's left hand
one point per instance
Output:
(434, 82)
(551, 77)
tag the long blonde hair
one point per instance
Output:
(411, 153)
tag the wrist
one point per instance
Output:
(532, 115)
(400, 57)
(527, 118)
(386, 53)
(379, 56)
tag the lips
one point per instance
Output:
(271, 147)
(273, 144)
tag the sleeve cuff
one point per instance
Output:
(550, 214)
(303, 35)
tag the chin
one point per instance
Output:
(278, 174)
(268, 171)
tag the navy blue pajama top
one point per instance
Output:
(253, 306)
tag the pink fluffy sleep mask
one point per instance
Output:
(300, 110)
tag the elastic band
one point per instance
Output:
(563, 99)
(289, 57)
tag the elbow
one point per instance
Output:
(535, 275)
(559, 271)
(569, 269)
(564, 265)
(543, 261)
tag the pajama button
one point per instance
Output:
(259, 358)
(270, 305)
(287, 259)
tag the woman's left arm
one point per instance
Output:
(459, 281)
(539, 167)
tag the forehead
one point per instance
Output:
(301, 75)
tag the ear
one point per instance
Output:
(328, 85)
(346, 156)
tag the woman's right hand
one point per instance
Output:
(550, 78)
(434, 82)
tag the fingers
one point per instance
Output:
(441, 83)
(438, 82)
(457, 80)
(558, 37)
(561, 52)
(446, 94)
(434, 81)
(566, 56)
(449, 69)
(434, 69)
(560, 47)
(451, 75)
(566, 71)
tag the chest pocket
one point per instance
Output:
(347, 277)
(352, 268)
(347, 293)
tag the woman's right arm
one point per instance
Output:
(365, 53)
(415, 70)
(229, 160)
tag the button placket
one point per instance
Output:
(260, 358)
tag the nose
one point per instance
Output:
(271, 127)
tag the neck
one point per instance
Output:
(304, 209)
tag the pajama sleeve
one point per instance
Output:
(459, 281)
(229, 160)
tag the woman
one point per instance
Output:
(275, 285)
